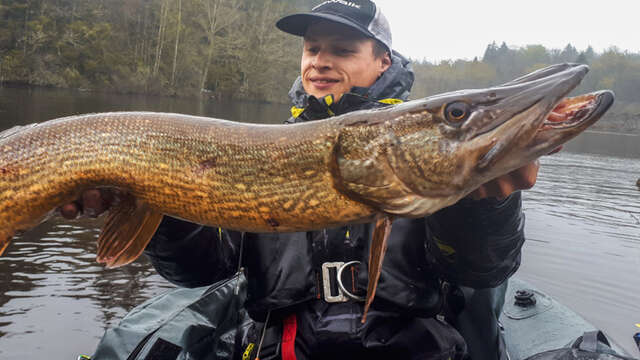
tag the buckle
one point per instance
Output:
(341, 286)
(340, 291)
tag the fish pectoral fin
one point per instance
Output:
(5, 240)
(127, 231)
(376, 256)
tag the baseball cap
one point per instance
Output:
(362, 15)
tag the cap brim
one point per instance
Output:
(297, 24)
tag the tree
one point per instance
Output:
(491, 54)
(175, 53)
(569, 54)
(164, 15)
(219, 15)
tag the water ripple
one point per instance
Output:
(583, 246)
(50, 275)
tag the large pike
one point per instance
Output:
(407, 160)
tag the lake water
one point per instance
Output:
(583, 231)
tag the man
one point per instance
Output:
(306, 311)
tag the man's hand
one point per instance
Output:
(91, 203)
(501, 187)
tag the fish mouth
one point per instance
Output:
(529, 99)
(575, 111)
(570, 117)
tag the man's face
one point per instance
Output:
(336, 58)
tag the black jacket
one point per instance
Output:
(472, 243)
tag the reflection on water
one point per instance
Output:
(26, 106)
(583, 239)
(605, 143)
(56, 300)
(583, 230)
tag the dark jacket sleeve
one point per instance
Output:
(477, 243)
(192, 255)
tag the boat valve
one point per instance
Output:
(525, 298)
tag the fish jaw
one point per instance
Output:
(569, 118)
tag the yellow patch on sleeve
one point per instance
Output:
(391, 101)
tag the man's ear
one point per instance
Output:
(385, 63)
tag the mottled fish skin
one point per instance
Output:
(256, 178)
(406, 160)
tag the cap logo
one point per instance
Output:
(341, 2)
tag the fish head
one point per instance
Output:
(483, 134)
(443, 147)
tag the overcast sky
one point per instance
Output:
(439, 30)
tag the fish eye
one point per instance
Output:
(456, 113)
